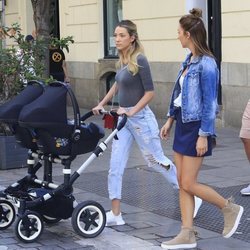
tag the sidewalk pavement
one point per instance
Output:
(149, 204)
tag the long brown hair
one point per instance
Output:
(135, 49)
(193, 24)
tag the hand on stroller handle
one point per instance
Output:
(108, 112)
(121, 123)
(103, 112)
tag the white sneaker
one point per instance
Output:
(114, 220)
(245, 191)
(197, 205)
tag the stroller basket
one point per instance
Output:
(9, 113)
(61, 206)
(56, 134)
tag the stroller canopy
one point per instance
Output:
(56, 134)
(9, 112)
(47, 111)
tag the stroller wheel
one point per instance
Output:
(29, 227)
(50, 220)
(7, 214)
(88, 219)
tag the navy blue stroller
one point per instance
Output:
(43, 126)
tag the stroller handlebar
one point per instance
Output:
(122, 123)
(86, 116)
(103, 112)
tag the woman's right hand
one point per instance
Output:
(96, 109)
(165, 130)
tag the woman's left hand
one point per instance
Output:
(201, 145)
(122, 111)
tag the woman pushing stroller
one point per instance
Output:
(135, 89)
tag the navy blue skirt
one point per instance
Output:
(186, 135)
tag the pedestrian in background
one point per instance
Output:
(245, 137)
(58, 67)
(193, 105)
(135, 89)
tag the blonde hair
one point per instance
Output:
(135, 49)
(193, 24)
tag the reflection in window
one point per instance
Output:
(112, 15)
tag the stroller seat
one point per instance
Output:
(9, 113)
(55, 133)
(59, 141)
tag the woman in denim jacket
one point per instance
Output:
(193, 105)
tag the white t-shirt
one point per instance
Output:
(177, 101)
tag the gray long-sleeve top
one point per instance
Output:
(131, 88)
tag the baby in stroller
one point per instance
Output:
(41, 124)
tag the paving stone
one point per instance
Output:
(50, 247)
(140, 225)
(8, 241)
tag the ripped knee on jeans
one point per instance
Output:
(167, 167)
(152, 162)
(150, 159)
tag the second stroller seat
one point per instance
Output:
(55, 133)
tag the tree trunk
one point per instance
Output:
(41, 18)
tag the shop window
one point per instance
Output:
(112, 15)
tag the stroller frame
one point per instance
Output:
(36, 199)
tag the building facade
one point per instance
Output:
(91, 60)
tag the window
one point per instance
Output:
(214, 35)
(112, 15)
(211, 11)
(54, 19)
(1, 20)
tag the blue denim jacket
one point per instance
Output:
(199, 93)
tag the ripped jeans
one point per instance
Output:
(143, 128)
